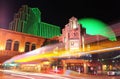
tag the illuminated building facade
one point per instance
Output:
(71, 34)
(73, 31)
(28, 20)
(29, 32)
(72, 37)
(13, 43)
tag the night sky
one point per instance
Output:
(58, 12)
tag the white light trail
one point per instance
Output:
(27, 75)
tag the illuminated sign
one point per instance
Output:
(74, 44)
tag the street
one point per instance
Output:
(7, 74)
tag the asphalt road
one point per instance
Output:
(23, 75)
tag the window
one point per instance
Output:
(16, 46)
(33, 47)
(27, 46)
(8, 44)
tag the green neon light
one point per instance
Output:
(97, 27)
(29, 21)
(36, 27)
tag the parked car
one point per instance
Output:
(113, 72)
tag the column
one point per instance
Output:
(85, 67)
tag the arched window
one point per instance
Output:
(16, 46)
(8, 44)
(27, 46)
(33, 47)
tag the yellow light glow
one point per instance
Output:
(104, 67)
(47, 62)
(47, 55)
(1, 47)
(40, 56)
(21, 49)
(35, 57)
(59, 53)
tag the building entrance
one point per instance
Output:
(78, 67)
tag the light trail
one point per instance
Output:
(59, 54)
(22, 76)
(40, 51)
(28, 75)
(80, 53)
(101, 50)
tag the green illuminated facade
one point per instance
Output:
(28, 20)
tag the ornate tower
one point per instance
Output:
(71, 35)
